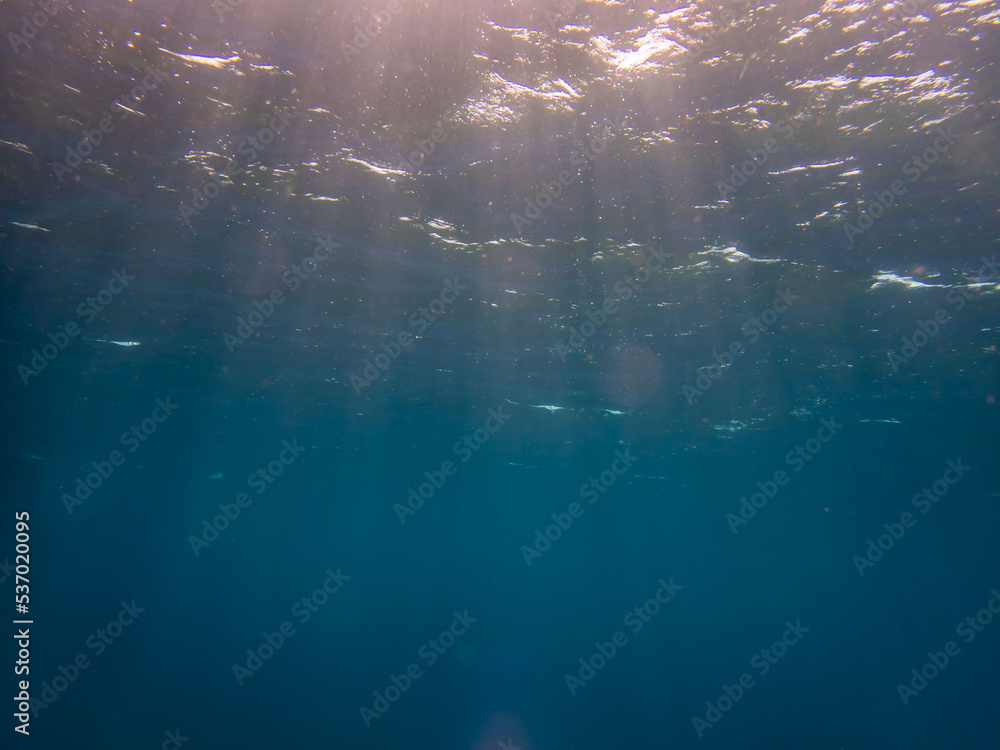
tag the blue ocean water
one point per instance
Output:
(500, 375)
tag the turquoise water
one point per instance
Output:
(500, 375)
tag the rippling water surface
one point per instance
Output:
(498, 374)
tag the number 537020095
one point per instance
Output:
(22, 561)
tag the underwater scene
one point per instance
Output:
(500, 375)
